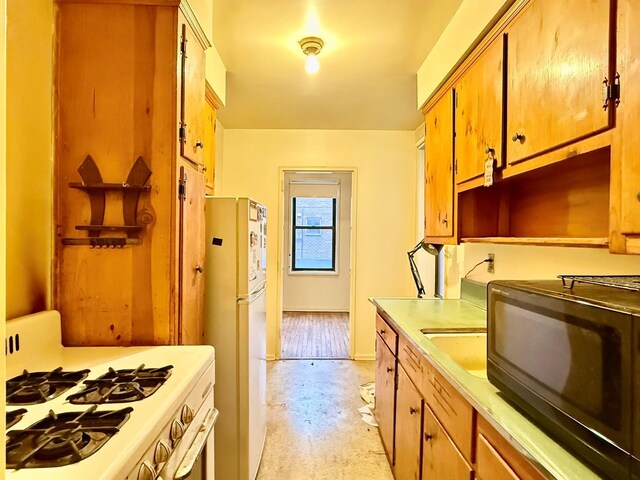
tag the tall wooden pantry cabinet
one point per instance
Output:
(129, 180)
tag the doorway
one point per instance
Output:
(316, 258)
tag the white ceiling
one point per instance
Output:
(367, 77)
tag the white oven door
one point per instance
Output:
(195, 460)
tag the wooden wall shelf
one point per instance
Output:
(102, 242)
(544, 241)
(108, 186)
(111, 228)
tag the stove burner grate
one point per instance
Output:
(14, 416)
(38, 387)
(125, 385)
(63, 439)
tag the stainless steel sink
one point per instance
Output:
(469, 350)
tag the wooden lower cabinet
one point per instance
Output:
(385, 395)
(440, 458)
(408, 443)
(490, 464)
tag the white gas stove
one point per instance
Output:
(155, 422)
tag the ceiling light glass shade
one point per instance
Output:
(312, 66)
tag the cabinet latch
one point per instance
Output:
(611, 91)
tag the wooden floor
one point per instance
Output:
(315, 335)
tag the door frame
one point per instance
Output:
(281, 235)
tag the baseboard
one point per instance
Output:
(312, 310)
(271, 358)
(365, 357)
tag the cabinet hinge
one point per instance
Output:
(182, 189)
(183, 41)
(455, 166)
(611, 91)
(182, 132)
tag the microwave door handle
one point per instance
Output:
(190, 458)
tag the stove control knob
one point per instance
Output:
(146, 471)
(187, 414)
(161, 455)
(177, 430)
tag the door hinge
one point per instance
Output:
(611, 91)
(182, 132)
(182, 189)
(455, 166)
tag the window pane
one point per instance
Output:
(314, 251)
(316, 212)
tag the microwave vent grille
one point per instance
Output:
(626, 282)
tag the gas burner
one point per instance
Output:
(38, 387)
(63, 439)
(119, 386)
(14, 416)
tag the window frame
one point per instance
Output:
(295, 228)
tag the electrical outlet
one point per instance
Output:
(491, 262)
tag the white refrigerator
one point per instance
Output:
(235, 324)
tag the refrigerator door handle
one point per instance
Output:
(259, 290)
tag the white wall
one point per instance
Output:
(468, 23)
(534, 262)
(384, 217)
(319, 291)
(29, 169)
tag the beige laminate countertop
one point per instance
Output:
(412, 315)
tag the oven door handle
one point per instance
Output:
(189, 460)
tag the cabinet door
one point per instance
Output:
(478, 114)
(209, 149)
(385, 395)
(408, 428)
(191, 95)
(439, 169)
(192, 248)
(440, 458)
(491, 465)
(558, 57)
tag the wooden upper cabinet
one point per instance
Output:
(439, 207)
(192, 94)
(478, 114)
(209, 114)
(558, 58)
(192, 251)
(408, 443)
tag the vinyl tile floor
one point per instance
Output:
(314, 430)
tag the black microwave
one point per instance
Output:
(570, 358)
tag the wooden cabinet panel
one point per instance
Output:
(497, 459)
(387, 334)
(439, 201)
(440, 458)
(385, 395)
(192, 250)
(490, 464)
(408, 429)
(413, 362)
(558, 57)
(627, 160)
(454, 413)
(209, 148)
(192, 95)
(478, 114)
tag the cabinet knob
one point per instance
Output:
(518, 137)
(389, 369)
(427, 437)
(199, 269)
(204, 169)
(199, 144)
(445, 221)
(413, 410)
(490, 151)
(383, 331)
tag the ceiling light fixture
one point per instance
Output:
(311, 47)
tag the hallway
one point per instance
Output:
(314, 431)
(315, 335)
